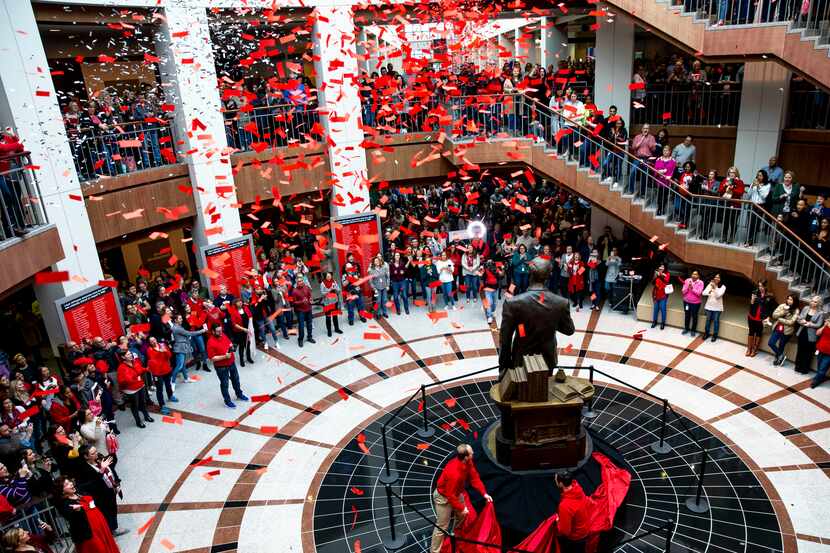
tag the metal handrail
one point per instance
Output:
(527, 118)
(746, 12)
(389, 478)
(21, 203)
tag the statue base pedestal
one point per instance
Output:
(559, 456)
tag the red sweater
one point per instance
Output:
(215, 317)
(455, 477)
(158, 361)
(659, 290)
(574, 513)
(301, 298)
(129, 376)
(823, 344)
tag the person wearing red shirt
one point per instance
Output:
(301, 300)
(213, 315)
(574, 513)
(196, 319)
(132, 386)
(449, 493)
(659, 296)
(823, 349)
(220, 351)
(158, 363)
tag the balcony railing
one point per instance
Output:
(809, 109)
(120, 149)
(33, 515)
(707, 216)
(271, 126)
(706, 106)
(21, 208)
(811, 16)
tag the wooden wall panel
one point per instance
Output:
(308, 171)
(106, 211)
(806, 152)
(23, 258)
(397, 165)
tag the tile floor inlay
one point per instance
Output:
(352, 505)
(295, 459)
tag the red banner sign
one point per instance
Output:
(358, 235)
(91, 313)
(229, 263)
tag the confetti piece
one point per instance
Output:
(261, 398)
(269, 429)
(225, 451)
(372, 335)
(167, 544)
(356, 491)
(450, 402)
(521, 330)
(422, 446)
(356, 547)
(143, 527)
(343, 395)
(363, 448)
(354, 518)
(51, 277)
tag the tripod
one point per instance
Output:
(628, 299)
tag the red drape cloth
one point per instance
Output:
(605, 501)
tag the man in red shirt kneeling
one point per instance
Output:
(220, 350)
(574, 515)
(449, 494)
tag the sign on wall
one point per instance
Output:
(229, 263)
(90, 313)
(358, 235)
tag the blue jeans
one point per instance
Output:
(712, 317)
(822, 364)
(226, 374)
(303, 325)
(637, 174)
(268, 326)
(179, 366)
(151, 147)
(429, 293)
(382, 297)
(199, 352)
(659, 309)
(490, 296)
(777, 342)
(471, 282)
(354, 305)
(446, 287)
(399, 293)
(522, 281)
(410, 287)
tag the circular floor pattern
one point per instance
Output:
(351, 503)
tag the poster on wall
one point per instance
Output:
(229, 263)
(359, 235)
(90, 313)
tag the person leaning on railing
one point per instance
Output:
(20, 539)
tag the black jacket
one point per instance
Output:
(542, 313)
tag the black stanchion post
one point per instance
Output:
(669, 535)
(661, 446)
(426, 431)
(387, 476)
(588, 410)
(394, 541)
(699, 504)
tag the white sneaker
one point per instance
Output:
(266, 346)
(189, 380)
(173, 386)
(606, 181)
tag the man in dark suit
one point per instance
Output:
(530, 320)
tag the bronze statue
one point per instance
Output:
(530, 320)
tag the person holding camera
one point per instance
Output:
(220, 351)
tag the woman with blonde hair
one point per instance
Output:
(19, 539)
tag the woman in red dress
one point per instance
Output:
(88, 527)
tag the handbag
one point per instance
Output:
(112, 443)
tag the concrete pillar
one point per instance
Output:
(764, 98)
(336, 69)
(188, 76)
(29, 104)
(507, 43)
(554, 45)
(363, 51)
(615, 65)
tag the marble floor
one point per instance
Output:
(214, 479)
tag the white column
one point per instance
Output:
(28, 103)
(614, 65)
(517, 47)
(764, 98)
(554, 43)
(363, 51)
(188, 76)
(336, 69)
(506, 43)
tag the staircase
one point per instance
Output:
(797, 276)
(803, 44)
